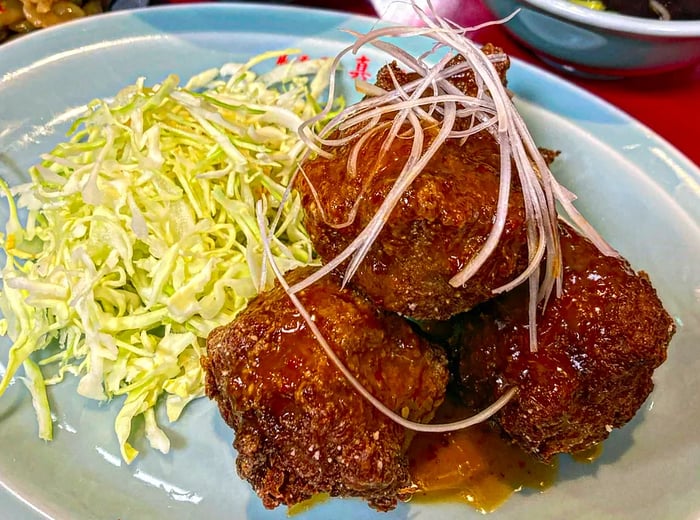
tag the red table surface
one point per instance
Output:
(669, 104)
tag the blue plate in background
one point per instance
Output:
(633, 186)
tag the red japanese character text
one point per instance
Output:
(360, 71)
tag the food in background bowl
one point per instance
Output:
(23, 16)
(662, 9)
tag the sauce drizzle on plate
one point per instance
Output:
(475, 465)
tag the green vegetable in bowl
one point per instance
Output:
(141, 235)
(591, 4)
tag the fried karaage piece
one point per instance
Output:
(440, 224)
(391, 74)
(301, 428)
(598, 346)
(437, 228)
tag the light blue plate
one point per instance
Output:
(640, 193)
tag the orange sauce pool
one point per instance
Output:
(303, 507)
(588, 455)
(475, 466)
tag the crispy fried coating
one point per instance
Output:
(439, 225)
(598, 345)
(301, 428)
(437, 228)
(391, 74)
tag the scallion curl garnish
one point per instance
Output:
(415, 106)
(492, 110)
(481, 416)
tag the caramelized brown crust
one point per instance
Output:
(437, 228)
(300, 427)
(464, 81)
(598, 345)
(439, 225)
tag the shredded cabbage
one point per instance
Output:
(141, 235)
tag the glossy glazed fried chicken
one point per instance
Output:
(391, 74)
(598, 346)
(301, 428)
(439, 225)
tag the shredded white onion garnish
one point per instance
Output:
(388, 412)
(434, 102)
(660, 9)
